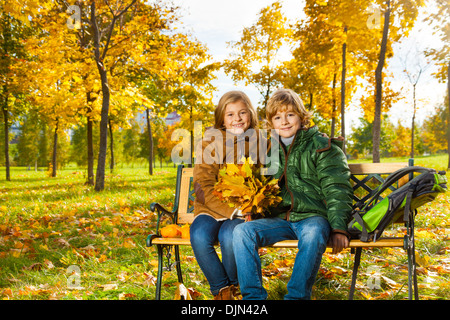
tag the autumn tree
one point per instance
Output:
(80, 142)
(28, 145)
(51, 79)
(355, 44)
(134, 45)
(315, 63)
(184, 84)
(12, 72)
(360, 142)
(442, 55)
(159, 142)
(414, 65)
(332, 51)
(255, 59)
(195, 92)
(108, 37)
(434, 130)
(406, 12)
(101, 38)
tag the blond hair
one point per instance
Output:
(232, 97)
(283, 100)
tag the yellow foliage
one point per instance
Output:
(243, 186)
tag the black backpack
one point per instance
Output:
(372, 217)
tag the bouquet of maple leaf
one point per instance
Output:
(243, 186)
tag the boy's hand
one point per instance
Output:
(338, 241)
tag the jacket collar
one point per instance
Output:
(303, 135)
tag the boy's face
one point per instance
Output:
(287, 122)
(236, 117)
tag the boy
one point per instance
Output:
(314, 179)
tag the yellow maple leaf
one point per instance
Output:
(231, 169)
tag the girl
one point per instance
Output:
(314, 181)
(214, 220)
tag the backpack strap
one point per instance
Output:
(409, 197)
(393, 177)
(364, 234)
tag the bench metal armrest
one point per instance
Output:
(150, 238)
(163, 212)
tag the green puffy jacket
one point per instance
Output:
(314, 180)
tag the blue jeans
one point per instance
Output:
(205, 232)
(312, 234)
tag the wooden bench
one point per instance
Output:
(365, 178)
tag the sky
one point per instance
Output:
(216, 22)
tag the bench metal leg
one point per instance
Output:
(160, 271)
(355, 272)
(161, 268)
(411, 251)
(412, 275)
(178, 264)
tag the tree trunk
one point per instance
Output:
(55, 149)
(376, 133)
(111, 147)
(448, 117)
(344, 70)
(6, 37)
(5, 119)
(101, 162)
(413, 121)
(90, 153)
(311, 96)
(150, 143)
(333, 116)
(100, 60)
(191, 131)
(267, 95)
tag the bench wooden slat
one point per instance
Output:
(381, 243)
(375, 168)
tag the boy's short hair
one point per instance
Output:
(283, 99)
(232, 97)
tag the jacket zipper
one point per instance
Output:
(284, 174)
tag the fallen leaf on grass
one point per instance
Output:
(150, 280)
(109, 286)
(182, 293)
(391, 283)
(122, 276)
(128, 243)
(35, 266)
(7, 292)
(124, 296)
(62, 242)
(338, 270)
(423, 261)
(194, 293)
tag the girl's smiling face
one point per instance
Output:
(287, 122)
(236, 117)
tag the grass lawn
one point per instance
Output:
(50, 227)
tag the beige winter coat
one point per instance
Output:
(217, 148)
